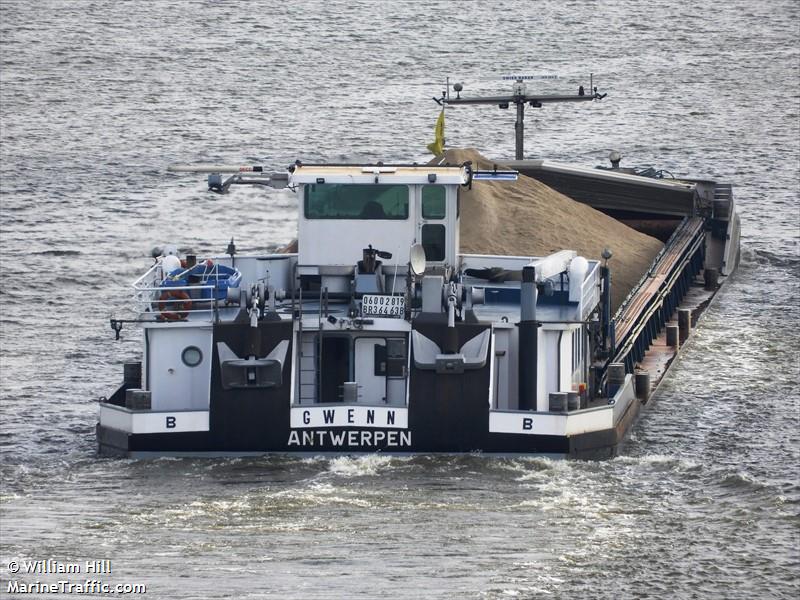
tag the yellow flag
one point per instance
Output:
(437, 147)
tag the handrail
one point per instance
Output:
(148, 295)
(656, 265)
(655, 301)
(635, 290)
(149, 299)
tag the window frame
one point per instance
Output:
(308, 188)
(444, 202)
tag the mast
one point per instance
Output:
(520, 98)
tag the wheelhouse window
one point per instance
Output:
(433, 202)
(347, 201)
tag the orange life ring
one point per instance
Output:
(175, 305)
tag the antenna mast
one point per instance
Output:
(520, 98)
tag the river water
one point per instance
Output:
(97, 97)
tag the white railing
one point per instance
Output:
(173, 303)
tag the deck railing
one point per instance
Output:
(173, 302)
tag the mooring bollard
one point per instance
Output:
(558, 401)
(684, 324)
(615, 377)
(710, 279)
(137, 399)
(642, 384)
(616, 373)
(672, 336)
(573, 401)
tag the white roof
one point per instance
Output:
(364, 174)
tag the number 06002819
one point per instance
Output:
(382, 306)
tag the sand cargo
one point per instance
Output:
(466, 305)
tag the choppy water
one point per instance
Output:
(98, 97)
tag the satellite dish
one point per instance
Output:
(417, 259)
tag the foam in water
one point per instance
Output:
(370, 464)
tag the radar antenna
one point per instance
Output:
(520, 97)
(241, 175)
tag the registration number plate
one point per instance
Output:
(382, 306)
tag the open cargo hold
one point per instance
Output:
(528, 218)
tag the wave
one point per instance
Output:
(742, 481)
(360, 466)
(790, 262)
(58, 253)
(660, 462)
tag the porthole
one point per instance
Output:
(191, 356)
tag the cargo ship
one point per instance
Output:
(377, 333)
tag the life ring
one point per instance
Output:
(175, 305)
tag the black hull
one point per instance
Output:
(589, 446)
(446, 414)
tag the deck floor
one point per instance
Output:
(659, 356)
